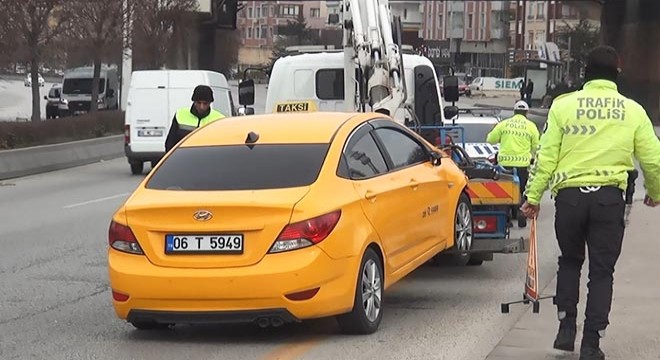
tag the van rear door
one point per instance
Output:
(148, 112)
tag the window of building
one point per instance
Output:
(482, 21)
(470, 16)
(540, 10)
(264, 10)
(440, 21)
(258, 11)
(315, 12)
(250, 13)
(405, 13)
(289, 10)
(264, 32)
(249, 33)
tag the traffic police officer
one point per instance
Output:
(518, 138)
(585, 154)
(188, 119)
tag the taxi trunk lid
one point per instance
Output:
(205, 218)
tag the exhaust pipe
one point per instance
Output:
(263, 322)
(276, 321)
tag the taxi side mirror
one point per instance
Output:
(246, 92)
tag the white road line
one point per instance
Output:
(95, 201)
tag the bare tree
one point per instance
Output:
(97, 26)
(158, 22)
(36, 23)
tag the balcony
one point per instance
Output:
(497, 33)
(500, 5)
(456, 6)
(456, 33)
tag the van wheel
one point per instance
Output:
(368, 304)
(137, 167)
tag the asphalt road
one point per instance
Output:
(55, 301)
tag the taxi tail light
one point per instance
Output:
(306, 233)
(485, 224)
(121, 238)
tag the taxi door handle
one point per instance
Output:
(370, 195)
(413, 184)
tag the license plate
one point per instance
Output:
(150, 133)
(209, 244)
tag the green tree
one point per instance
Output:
(582, 37)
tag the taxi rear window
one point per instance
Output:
(240, 167)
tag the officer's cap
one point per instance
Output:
(521, 106)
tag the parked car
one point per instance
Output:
(28, 80)
(53, 101)
(284, 217)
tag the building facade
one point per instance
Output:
(536, 22)
(470, 36)
(258, 23)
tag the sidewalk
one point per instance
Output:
(634, 330)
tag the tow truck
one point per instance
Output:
(374, 72)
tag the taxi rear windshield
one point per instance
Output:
(240, 167)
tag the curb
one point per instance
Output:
(45, 158)
(531, 111)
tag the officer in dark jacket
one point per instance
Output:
(188, 119)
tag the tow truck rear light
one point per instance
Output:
(485, 224)
(121, 238)
(306, 233)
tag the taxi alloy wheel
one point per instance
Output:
(367, 310)
(463, 228)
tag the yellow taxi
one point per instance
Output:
(284, 217)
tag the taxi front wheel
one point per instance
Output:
(368, 303)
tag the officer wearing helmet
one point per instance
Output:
(188, 119)
(518, 138)
(585, 154)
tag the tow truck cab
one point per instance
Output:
(315, 82)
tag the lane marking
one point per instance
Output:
(292, 351)
(95, 201)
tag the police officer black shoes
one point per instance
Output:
(565, 339)
(590, 353)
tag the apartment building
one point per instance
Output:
(471, 36)
(258, 23)
(536, 22)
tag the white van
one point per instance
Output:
(77, 90)
(154, 96)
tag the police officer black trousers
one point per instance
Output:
(595, 216)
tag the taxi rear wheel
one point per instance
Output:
(367, 310)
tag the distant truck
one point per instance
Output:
(76, 95)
